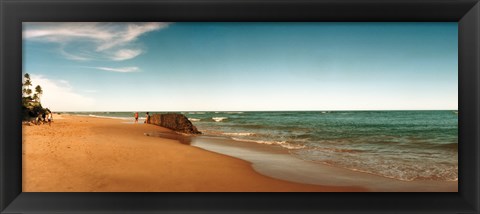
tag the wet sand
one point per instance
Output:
(275, 161)
(87, 154)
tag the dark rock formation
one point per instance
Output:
(175, 122)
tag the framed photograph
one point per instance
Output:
(229, 106)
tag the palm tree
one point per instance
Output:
(31, 106)
(38, 93)
(26, 90)
(28, 83)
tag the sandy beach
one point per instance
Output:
(87, 154)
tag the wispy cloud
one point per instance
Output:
(124, 54)
(121, 69)
(91, 40)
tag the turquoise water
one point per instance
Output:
(404, 145)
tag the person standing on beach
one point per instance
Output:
(136, 117)
(147, 118)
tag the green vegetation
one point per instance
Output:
(31, 105)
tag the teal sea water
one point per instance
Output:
(404, 145)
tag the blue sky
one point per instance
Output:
(243, 66)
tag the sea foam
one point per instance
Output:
(239, 134)
(219, 119)
(283, 144)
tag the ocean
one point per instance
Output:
(403, 145)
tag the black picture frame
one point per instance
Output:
(14, 12)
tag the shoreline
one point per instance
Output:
(87, 154)
(280, 164)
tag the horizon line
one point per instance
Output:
(267, 110)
